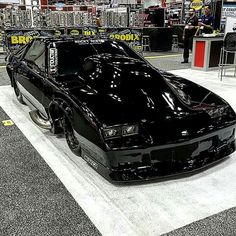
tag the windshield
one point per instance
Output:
(71, 55)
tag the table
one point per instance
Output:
(206, 53)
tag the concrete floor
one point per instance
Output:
(195, 205)
(168, 60)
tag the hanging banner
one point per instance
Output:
(132, 36)
(14, 39)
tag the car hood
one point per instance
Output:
(122, 90)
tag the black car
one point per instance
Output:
(127, 119)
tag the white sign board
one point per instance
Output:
(10, 1)
(230, 24)
(229, 10)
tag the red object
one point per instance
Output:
(163, 3)
(199, 54)
(68, 8)
(44, 3)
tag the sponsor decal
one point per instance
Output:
(21, 39)
(53, 61)
(91, 162)
(133, 37)
(101, 30)
(57, 33)
(32, 33)
(97, 41)
(89, 41)
(82, 42)
(137, 48)
(89, 33)
(196, 4)
(74, 32)
(125, 37)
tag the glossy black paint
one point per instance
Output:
(182, 126)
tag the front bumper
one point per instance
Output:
(168, 160)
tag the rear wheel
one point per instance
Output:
(71, 139)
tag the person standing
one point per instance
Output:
(207, 21)
(189, 31)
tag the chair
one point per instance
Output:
(146, 43)
(228, 48)
(175, 42)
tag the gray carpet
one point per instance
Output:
(2, 58)
(168, 60)
(33, 201)
(4, 79)
(223, 223)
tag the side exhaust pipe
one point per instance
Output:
(39, 120)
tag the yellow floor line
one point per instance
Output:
(155, 57)
(2, 66)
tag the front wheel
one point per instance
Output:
(71, 139)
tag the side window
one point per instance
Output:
(20, 53)
(40, 61)
(71, 57)
(36, 55)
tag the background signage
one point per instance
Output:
(196, 4)
(133, 37)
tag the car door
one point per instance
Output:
(31, 74)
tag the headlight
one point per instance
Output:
(129, 130)
(112, 132)
(120, 131)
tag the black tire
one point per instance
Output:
(71, 139)
(18, 93)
